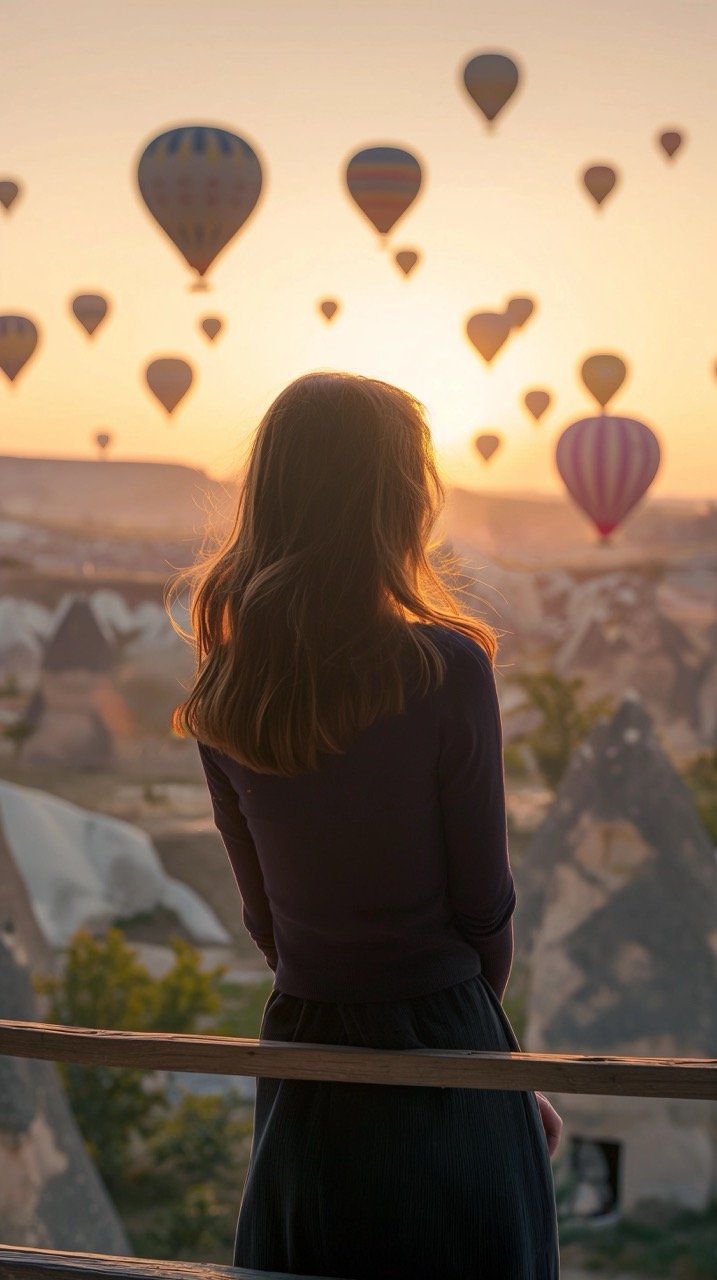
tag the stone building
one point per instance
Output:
(622, 881)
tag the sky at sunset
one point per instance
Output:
(87, 83)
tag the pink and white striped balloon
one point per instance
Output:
(607, 464)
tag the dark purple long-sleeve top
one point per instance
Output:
(384, 874)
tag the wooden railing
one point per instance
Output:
(694, 1078)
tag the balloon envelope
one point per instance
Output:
(212, 326)
(487, 445)
(536, 402)
(406, 259)
(603, 374)
(103, 439)
(518, 311)
(328, 308)
(671, 141)
(607, 464)
(491, 79)
(384, 182)
(169, 378)
(599, 180)
(201, 184)
(90, 309)
(18, 340)
(488, 331)
(9, 192)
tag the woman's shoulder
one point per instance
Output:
(469, 669)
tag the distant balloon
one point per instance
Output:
(537, 402)
(90, 309)
(491, 79)
(201, 184)
(328, 308)
(9, 191)
(671, 141)
(169, 379)
(384, 182)
(488, 331)
(607, 464)
(103, 440)
(518, 311)
(212, 326)
(599, 180)
(18, 340)
(603, 375)
(406, 259)
(487, 445)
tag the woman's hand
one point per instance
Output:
(552, 1123)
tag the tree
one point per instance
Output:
(104, 985)
(564, 722)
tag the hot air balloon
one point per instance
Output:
(607, 464)
(18, 340)
(384, 182)
(103, 440)
(406, 259)
(671, 141)
(212, 326)
(487, 445)
(491, 79)
(599, 180)
(518, 311)
(90, 309)
(536, 402)
(201, 184)
(9, 191)
(328, 308)
(169, 378)
(603, 375)
(488, 331)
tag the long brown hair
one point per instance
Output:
(301, 617)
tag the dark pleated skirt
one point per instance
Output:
(397, 1182)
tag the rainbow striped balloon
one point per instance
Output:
(201, 184)
(384, 182)
(607, 464)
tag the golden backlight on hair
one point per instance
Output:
(302, 618)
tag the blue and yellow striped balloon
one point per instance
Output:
(201, 184)
(384, 182)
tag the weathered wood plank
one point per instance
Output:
(444, 1068)
(18, 1263)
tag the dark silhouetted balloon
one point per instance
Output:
(201, 184)
(600, 180)
(18, 341)
(328, 308)
(103, 440)
(607, 465)
(169, 379)
(212, 326)
(406, 259)
(488, 331)
(487, 445)
(671, 141)
(491, 80)
(384, 182)
(9, 192)
(603, 374)
(537, 402)
(90, 309)
(518, 311)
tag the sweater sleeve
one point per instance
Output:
(238, 842)
(472, 789)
